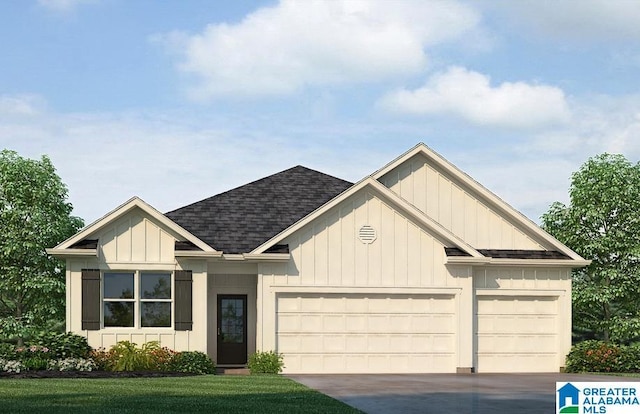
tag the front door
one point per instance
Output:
(232, 329)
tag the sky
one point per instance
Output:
(176, 101)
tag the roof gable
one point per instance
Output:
(407, 209)
(239, 220)
(500, 217)
(83, 239)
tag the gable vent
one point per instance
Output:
(367, 234)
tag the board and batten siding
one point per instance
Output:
(136, 238)
(328, 258)
(328, 251)
(454, 207)
(136, 243)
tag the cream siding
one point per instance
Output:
(135, 243)
(460, 210)
(523, 318)
(403, 265)
(328, 252)
(135, 238)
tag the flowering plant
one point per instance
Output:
(11, 366)
(71, 364)
(33, 357)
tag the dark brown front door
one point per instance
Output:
(232, 329)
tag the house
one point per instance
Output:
(415, 268)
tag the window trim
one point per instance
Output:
(137, 300)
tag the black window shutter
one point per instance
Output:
(91, 299)
(183, 300)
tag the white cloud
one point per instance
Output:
(471, 96)
(281, 49)
(21, 104)
(584, 20)
(63, 6)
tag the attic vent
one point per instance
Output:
(367, 234)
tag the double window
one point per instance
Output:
(137, 299)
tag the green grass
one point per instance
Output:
(200, 394)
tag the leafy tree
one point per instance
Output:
(602, 223)
(34, 215)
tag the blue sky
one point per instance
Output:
(175, 101)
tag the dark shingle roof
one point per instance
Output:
(511, 254)
(241, 219)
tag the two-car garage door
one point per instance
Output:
(367, 333)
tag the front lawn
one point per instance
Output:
(199, 394)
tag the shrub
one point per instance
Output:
(7, 351)
(33, 357)
(266, 362)
(11, 366)
(71, 364)
(127, 357)
(102, 358)
(161, 359)
(193, 362)
(595, 356)
(62, 345)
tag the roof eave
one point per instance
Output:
(64, 253)
(489, 261)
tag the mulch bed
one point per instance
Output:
(92, 374)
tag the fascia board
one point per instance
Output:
(196, 254)
(495, 201)
(488, 261)
(63, 253)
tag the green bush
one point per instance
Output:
(597, 356)
(266, 362)
(629, 360)
(62, 345)
(126, 356)
(7, 351)
(193, 362)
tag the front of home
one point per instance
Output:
(417, 268)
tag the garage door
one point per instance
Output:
(354, 333)
(517, 334)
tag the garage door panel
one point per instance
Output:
(333, 323)
(517, 334)
(367, 333)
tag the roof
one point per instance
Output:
(511, 254)
(239, 220)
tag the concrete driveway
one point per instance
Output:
(447, 393)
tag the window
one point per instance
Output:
(137, 299)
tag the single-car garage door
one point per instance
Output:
(359, 333)
(517, 334)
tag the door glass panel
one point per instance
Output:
(231, 320)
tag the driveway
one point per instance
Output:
(447, 393)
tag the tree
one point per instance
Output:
(34, 215)
(602, 223)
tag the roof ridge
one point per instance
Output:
(271, 176)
